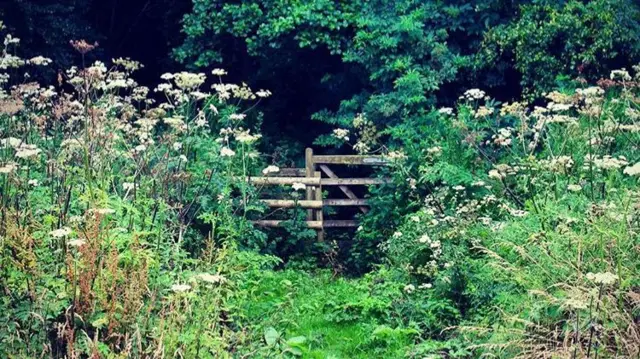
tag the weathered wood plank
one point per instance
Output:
(288, 172)
(278, 223)
(350, 160)
(312, 181)
(339, 224)
(310, 224)
(308, 181)
(289, 203)
(345, 202)
(315, 204)
(343, 188)
(353, 181)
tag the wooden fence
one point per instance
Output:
(316, 175)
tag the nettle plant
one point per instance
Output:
(105, 193)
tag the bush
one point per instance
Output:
(525, 219)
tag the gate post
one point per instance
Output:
(309, 172)
(319, 214)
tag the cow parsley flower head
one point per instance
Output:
(27, 151)
(211, 278)
(246, 137)
(60, 232)
(8, 168)
(263, 93)
(574, 187)
(633, 170)
(341, 134)
(474, 94)
(424, 239)
(446, 111)
(218, 72)
(227, 152)
(189, 81)
(76, 242)
(237, 116)
(39, 61)
(605, 278)
(621, 74)
(102, 211)
(180, 288)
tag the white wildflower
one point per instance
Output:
(633, 170)
(189, 81)
(180, 288)
(263, 93)
(341, 134)
(237, 116)
(211, 278)
(39, 61)
(474, 94)
(8, 168)
(60, 232)
(621, 74)
(446, 111)
(139, 148)
(574, 187)
(27, 151)
(76, 242)
(227, 152)
(102, 211)
(605, 278)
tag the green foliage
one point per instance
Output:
(574, 38)
(503, 216)
(400, 57)
(508, 229)
(403, 48)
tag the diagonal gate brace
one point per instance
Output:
(344, 189)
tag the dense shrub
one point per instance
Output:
(101, 188)
(526, 217)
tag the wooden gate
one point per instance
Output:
(316, 175)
